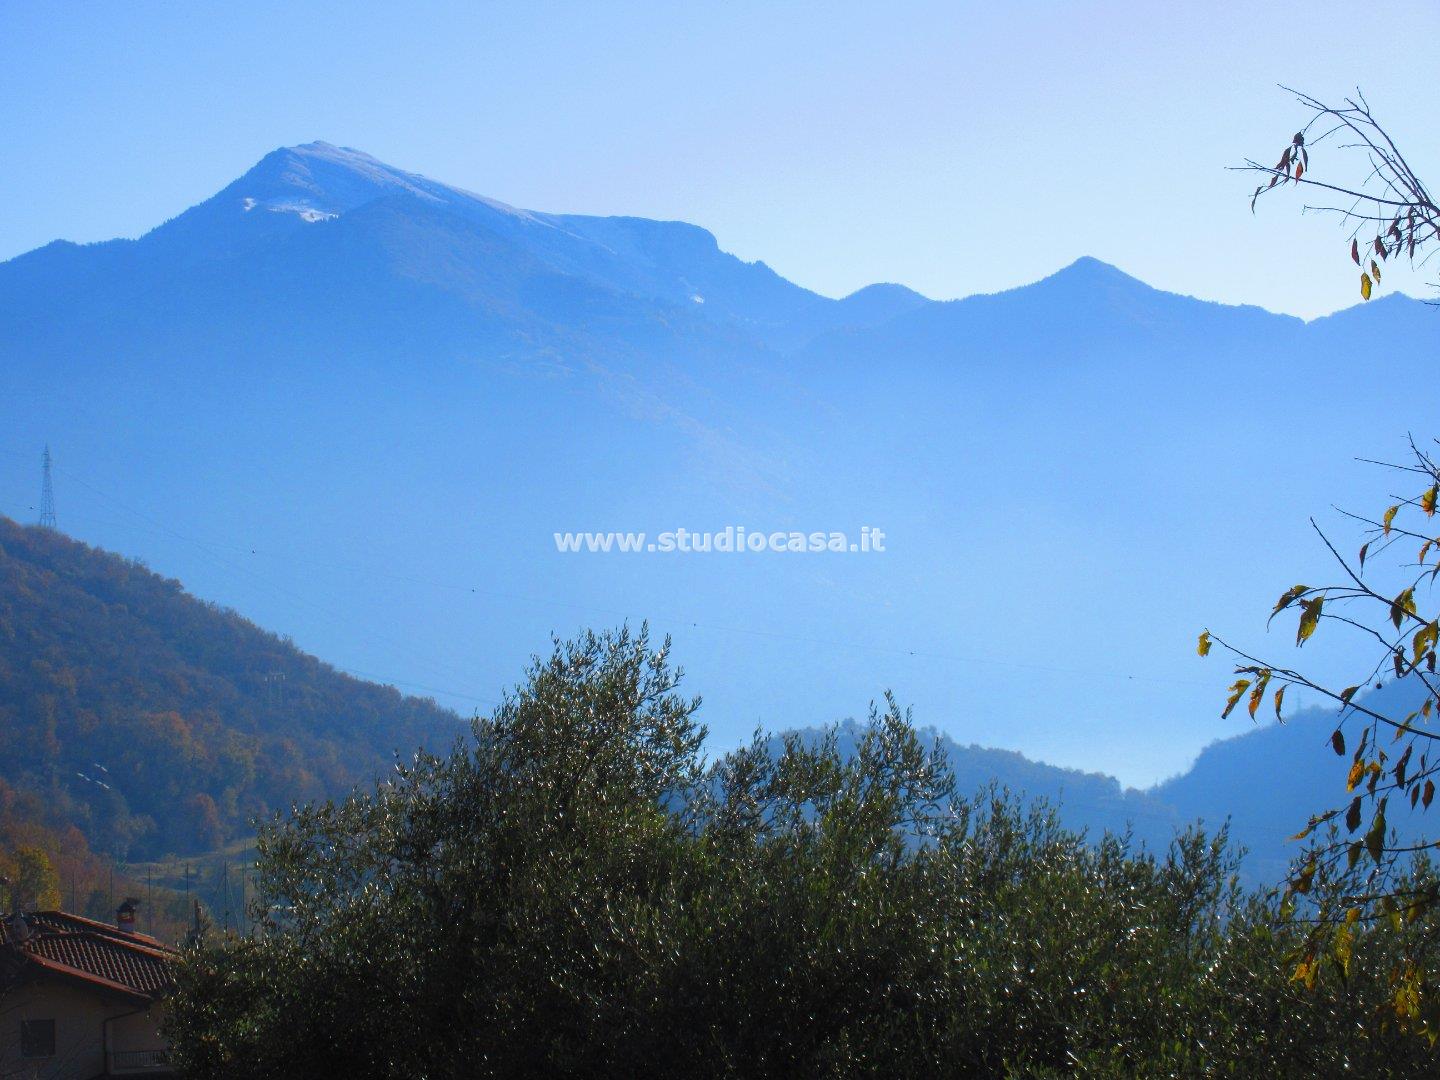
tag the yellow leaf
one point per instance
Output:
(1344, 940)
(1427, 501)
(1424, 640)
(1402, 605)
(1241, 685)
(1365, 286)
(1407, 994)
(1257, 694)
(1357, 771)
(1390, 518)
(1301, 882)
(1203, 648)
(1288, 597)
(1309, 619)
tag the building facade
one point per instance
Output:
(81, 999)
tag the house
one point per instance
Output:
(81, 999)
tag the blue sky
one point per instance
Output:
(955, 147)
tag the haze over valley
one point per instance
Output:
(355, 404)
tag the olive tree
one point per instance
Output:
(575, 891)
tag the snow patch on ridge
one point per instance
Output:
(316, 167)
(305, 211)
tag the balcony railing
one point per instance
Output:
(139, 1061)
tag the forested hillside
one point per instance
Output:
(155, 722)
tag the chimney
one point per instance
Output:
(125, 915)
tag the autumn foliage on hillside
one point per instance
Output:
(150, 721)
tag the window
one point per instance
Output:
(37, 1038)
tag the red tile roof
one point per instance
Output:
(94, 952)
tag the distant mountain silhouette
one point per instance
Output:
(1270, 781)
(355, 404)
(1264, 785)
(474, 267)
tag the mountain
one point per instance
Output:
(155, 722)
(138, 720)
(1270, 781)
(356, 404)
(1093, 803)
(1263, 785)
(479, 268)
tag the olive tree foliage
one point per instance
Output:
(1357, 868)
(573, 891)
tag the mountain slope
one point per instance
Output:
(380, 397)
(1270, 781)
(577, 270)
(160, 723)
(155, 722)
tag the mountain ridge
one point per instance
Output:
(319, 180)
(449, 384)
